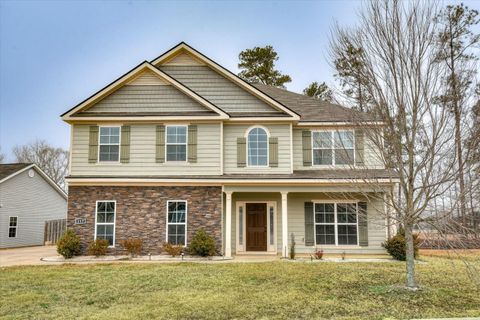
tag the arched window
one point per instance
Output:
(257, 140)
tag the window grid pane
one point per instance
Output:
(106, 221)
(333, 148)
(176, 222)
(336, 223)
(257, 147)
(109, 144)
(176, 143)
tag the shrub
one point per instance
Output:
(202, 244)
(292, 247)
(171, 249)
(98, 247)
(318, 254)
(69, 244)
(133, 246)
(396, 246)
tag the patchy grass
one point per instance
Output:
(238, 290)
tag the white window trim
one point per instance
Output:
(332, 133)
(110, 144)
(174, 223)
(176, 144)
(16, 227)
(243, 247)
(108, 223)
(268, 146)
(336, 224)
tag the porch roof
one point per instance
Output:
(342, 175)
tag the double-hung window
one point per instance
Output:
(257, 147)
(176, 143)
(333, 147)
(109, 144)
(12, 227)
(105, 221)
(177, 222)
(336, 224)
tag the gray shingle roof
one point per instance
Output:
(310, 109)
(7, 169)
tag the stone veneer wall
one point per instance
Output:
(141, 213)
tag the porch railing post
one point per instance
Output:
(228, 225)
(284, 225)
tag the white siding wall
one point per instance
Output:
(34, 201)
(232, 132)
(142, 154)
(371, 159)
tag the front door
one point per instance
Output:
(256, 226)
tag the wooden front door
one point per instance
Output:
(256, 226)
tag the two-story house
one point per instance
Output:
(180, 143)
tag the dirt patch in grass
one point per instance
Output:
(272, 290)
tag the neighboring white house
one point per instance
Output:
(28, 198)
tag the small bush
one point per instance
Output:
(397, 246)
(173, 250)
(69, 244)
(202, 244)
(133, 246)
(98, 247)
(318, 254)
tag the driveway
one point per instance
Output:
(26, 256)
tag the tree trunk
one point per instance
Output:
(411, 281)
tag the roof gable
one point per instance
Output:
(182, 48)
(11, 170)
(144, 76)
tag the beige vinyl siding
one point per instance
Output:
(296, 221)
(217, 89)
(148, 78)
(142, 154)
(234, 131)
(183, 59)
(371, 156)
(147, 98)
(33, 201)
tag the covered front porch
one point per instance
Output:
(260, 220)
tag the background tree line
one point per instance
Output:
(52, 160)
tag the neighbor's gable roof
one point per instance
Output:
(183, 47)
(132, 74)
(10, 170)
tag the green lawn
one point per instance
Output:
(250, 290)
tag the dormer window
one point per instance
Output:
(257, 145)
(333, 147)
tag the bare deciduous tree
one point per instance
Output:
(2, 156)
(456, 41)
(53, 161)
(402, 78)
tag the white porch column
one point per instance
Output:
(228, 225)
(284, 225)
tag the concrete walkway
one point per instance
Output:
(26, 256)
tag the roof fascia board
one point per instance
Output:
(340, 123)
(140, 119)
(206, 181)
(132, 74)
(245, 85)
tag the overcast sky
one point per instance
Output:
(55, 54)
